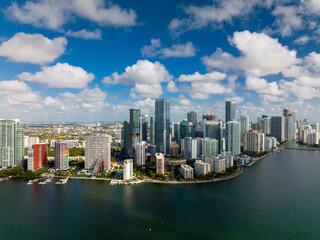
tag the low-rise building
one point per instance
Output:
(243, 160)
(201, 168)
(175, 162)
(186, 171)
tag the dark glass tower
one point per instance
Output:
(134, 135)
(230, 111)
(192, 117)
(162, 126)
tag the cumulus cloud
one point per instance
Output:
(145, 75)
(302, 40)
(55, 14)
(96, 34)
(204, 85)
(171, 87)
(13, 87)
(61, 75)
(32, 48)
(215, 14)
(210, 77)
(175, 51)
(260, 55)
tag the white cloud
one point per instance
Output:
(13, 87)
(300, 91)
(87, 100)
(209, 77)
(55, 14)
(141, 90)
(261, 85)
(171, 87)
(175, 51)
(261, 55)
(235, 99)
(287, 19)
(215, 14)
(302, 40)
(146, 76)
(96, 34)
(32, 48)
(62, 75)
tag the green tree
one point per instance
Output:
(29, 175)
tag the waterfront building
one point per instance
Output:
(229, 158)
(152, 130)
(201, 168)
(175, 162)
(11, 143)
(127, 169)
(162, 126)
(144, 128)
(277, 128)
(37, 156)
(230, 111)
(98, 146)
(243, 160)
(315, 126)
(266, 125)
(289, 124)
(233, 137)
(253, 143)
(61, 156)
(210, 146)
(186, 171)
(192, 118)
(313, 138)
(159, 163)
(219, 165)
(244, 124)
(140, 157)
(134, 131)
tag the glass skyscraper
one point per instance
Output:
(134, 135)
(61, 156)
(244, 122)
(277, 128)
(233, 137)
(162, 126)
(230, 111)
(11, 143)
(152, 129)
(192, 117)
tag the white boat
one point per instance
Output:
(30, 182)
(62, 181)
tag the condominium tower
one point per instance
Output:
(162, 126)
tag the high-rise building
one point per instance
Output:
(177, 135)
(144, 127)
(125, 139)
(140, 156)
(253, 142)
(266, 125)
(289, 124)
(127, 169)
(192, 118)
(61, 156)
(210, 147)
(233, 137)
(152, 129)
(162, 126)
(11, 143)
(134, 134)
(277, 128)
(230, 111)
(191, 148)
(98, 146)
(213, 129)
(37, 156)
(244, 123)
(159, 163)
(186, 129)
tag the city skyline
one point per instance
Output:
(76, 64)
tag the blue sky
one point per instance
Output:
(92, 60)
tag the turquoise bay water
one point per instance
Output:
(276, 198)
